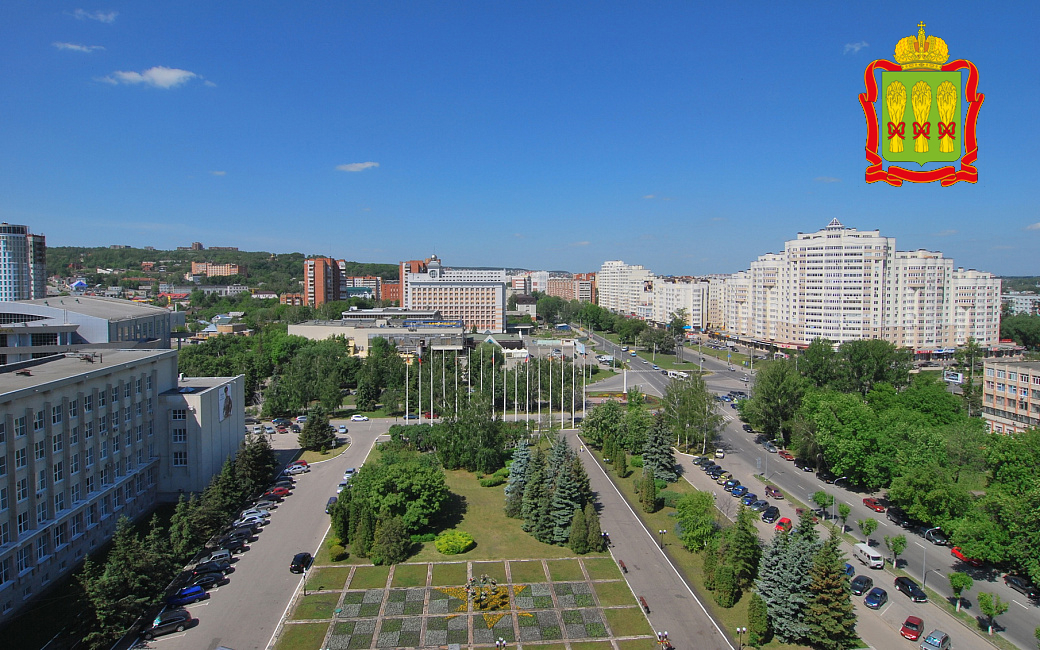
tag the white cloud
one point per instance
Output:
(209, 84)
(159, 77)
(580, 243)
(855, 47)
(827, 179)
(219, 173)
(648, 196)
(1033, 226)
(356, 167)
(100, 16)
(77, 48)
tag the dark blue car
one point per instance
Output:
(749, 498)
(876, 598)
(186, 596)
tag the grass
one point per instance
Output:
(316, 456)
(453, 575)
(527, 572)
(565, 570)
(591, 645)
(370, 577)
(602, 568)
(410, 575)
(316, 606)
(612, 594)
(627, 621)
(637, 644)
(494, 570)
(305, 636)
(327, 578)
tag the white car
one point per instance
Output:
(268, 429)
(300, 419)
(255, 520)
(297, 469)
(255, 512)
(342, 428)
(357, 417)
(341, 487)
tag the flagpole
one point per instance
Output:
(406, 364)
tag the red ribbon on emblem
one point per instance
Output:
(894, 130)
(947, 130)
(923, 130)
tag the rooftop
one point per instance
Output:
(38, 373)
(98, 306)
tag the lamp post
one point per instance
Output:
(661, 533)
(741, 631)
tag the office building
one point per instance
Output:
(403, 328)
(474, 296)
(88, 437)
(210, 269)
(1010, 395)
(23, 263)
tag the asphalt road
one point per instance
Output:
(245, 613)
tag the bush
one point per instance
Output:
(725, 586)
(661, 484)
(425, 537)
(338, 553)
(636, 461)
(668, 498)
(503, 473)
(453, 542)
(492, 481)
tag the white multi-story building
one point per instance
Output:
(88, 437)
(623, 288)
(673, 294)
(475, 296)
(1021, 302)
(23, 263)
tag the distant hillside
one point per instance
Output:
(1019, 283)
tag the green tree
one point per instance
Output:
(362, 539)
(691, 413)
(867, 526)
(896, 544)
(595, 540)
(822, 499)
(711, 563)
(741, 548)
(818, 363)
(725, 586)
(517, 479)
(534, 492)
(991, 607)
(621, 463)
(657, 451)
(392, 543)
(863, 363)
(695, 514)
(579, 539)
(648, 494)
(317, 433)
(959, 583)
(844, 510)
(777, 397)
(831, 616)
(758, 621)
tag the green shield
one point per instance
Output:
(933, 96)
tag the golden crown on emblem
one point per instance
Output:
(921, 53)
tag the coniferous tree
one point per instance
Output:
(517, 479)
(565, 499)
(657, 451)
(392, 542)
(317, 433)
(771, 584)
(789, 621)
(621, 462)
(725, 586)
(758, 621)
(711, 562)
(648, 495)
(364, 534)
(183, 539)
(579, 540)
(581, 480)
(831, 616)
(595, 542)
(534, 491)
(741, 548)
(608, 447)
(557, 459)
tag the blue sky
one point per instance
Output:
(683, 136)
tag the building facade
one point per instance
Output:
(215, 270)
(23, 263)
(1011, 395)
(86, 438)
(476, 297)
(624, 288)
(321, 280)
(1021, 302)
(674, 294)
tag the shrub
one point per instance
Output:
(668, 498)
(425, 537)
(338, 553)
(661, 484)
(503, 473)
(636, 461)
(492, 481)
(453, 542)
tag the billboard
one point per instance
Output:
(954, 377)
(225, 402)
(580, 348)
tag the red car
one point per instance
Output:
(430, 416)
(873, 504)
(277, 492)
(786, 455)
(956, 552)
(783, 525)
(912, 628)
(302, 463)
(773, 493)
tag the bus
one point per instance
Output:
(677, 374)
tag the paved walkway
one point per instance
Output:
(673, 605)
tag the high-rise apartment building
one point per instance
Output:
(321, 280)
(624, 288)
(475, 296)
(23, 263)
(212, 270)
(671, 295)
(581, 286)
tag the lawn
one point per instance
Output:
(565, 570)
(324, 578)
(370, 577)
(612, 594)
(316, 456)
(316, 606)
(602, 568)
(452, 575)
(627, 621)
(410, 575)
(494, 570)
(637, 644)
(305, 636)
(526, 572)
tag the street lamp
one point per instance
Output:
(661, 533)
(741, 631)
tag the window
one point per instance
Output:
(59, 502)
(41, 512)
(24, 558)
(5, 538)
(140, 483)
(23, 522)
(129, 439)
(19, 426)
(115, 395)
(180, 435)
(3, 499)
(89, 457)
(20, 460)
(3, 432)
(106, 476)
(117, 499)
(126, 414)
(61, 534)
(74, 436)
(104, 507)
(103, 424)
(128, 464)
(5, 576)
(140, 456)
(38, 421)
(115, 443)
(59, 471)
(73, 408)
(39, 449)
(139, 433)
(137, 385)
(56, 414)
(77, 494)
(77, 524)
(90, 484)
(104, 449)
(178, 414)
(102, 398)
(151, 405)
(92, 514)
(22, 489)
(57, 442)
(137, 409)
(180, 459)
(74, 464)
(3, 465)
(128, 491)
(41, 480)
(126, 390)
(88, 403)
(41, 547)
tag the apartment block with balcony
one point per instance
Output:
(1011, 395)
(624, 288)
(473, 295)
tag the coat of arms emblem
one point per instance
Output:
(927, 114)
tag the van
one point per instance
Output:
(868, 556)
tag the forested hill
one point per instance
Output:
(278, 272)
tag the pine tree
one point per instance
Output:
(711, 563)
(565, 499)
(581, 480)
(182, 535)
(534, 491)
(758, 621)
(608, 447)
(741, 548)
(621, 463)
(648, 495)
(579, 540)
(517, 479)
(317, 433)
(831, 616)
(595, 542)
(725, 586)
(657, 451)
(364, 534)
(789, 619)
(392, 542)
(772, 575)
(559, 454)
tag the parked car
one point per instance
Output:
(804, 465)
(171, 620)
(277, 421)
(298, 462)
(759, 506)
(255, 520)
(708, 466)
(235, 545)
(281, 492)
(295, 428)
(936, 640)
(861, 584)
(748, 498)
(260, 512)
(341, 428)
(873, 504)
(910, 588)
(210, 566)
(814, 517)
(300, 562)
(301, 419)
(265, 504)
(411, 416)
(243, 534)
(771, 514)
(912, 628)
(730, 484)
(700, 461)
(720, 453)
(825, 476)
(357, 417)
(738, 491)
(937, 537)
(876, 598)
(349, 472)
(186, 596)
(297, 469)
(329, 504)
(207, 580)
(1021, 585)
(748, 428)
(723, 477)
(430, 416)
(784, 525)
(771, 448)
(773, 493)
(896, 515)
(956, 552)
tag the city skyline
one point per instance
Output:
(690, 140)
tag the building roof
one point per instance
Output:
(67, 366)
(112, 309)
(195, 385)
